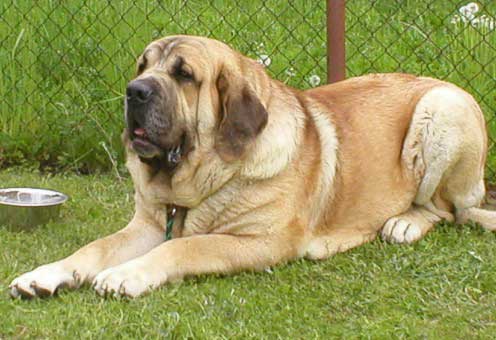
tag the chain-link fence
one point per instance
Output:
(65, 64)
(450, 40)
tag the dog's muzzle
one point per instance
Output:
(149, 122)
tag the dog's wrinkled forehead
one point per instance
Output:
(159, 51)
(173, 52)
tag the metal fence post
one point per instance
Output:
(336, 67)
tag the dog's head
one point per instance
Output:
(191, 94)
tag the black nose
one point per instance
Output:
(139, 91)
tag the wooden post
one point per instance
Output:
(336, 64)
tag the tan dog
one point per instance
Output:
(261, 173)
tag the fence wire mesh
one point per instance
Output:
(65, 64)
(449, 40)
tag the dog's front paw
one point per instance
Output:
(127, 280)
(43, 281)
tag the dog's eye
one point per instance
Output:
(183, 74)
(141, 68)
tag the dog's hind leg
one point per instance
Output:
(455, 145)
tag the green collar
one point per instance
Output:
(171, 213)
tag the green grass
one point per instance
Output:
(441, 287)
(64, 67)
(65, 64)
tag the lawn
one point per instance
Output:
(63, 71)
(440, 287)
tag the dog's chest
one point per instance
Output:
(225, 211)
(211, 213)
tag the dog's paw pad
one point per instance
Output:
(399, 230)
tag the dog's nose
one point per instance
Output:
(139, 92)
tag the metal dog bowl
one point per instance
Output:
(29, 207)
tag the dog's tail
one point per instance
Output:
(486, 218)
(485, 215)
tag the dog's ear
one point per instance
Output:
(243, 117)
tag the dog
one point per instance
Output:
(235, 171)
